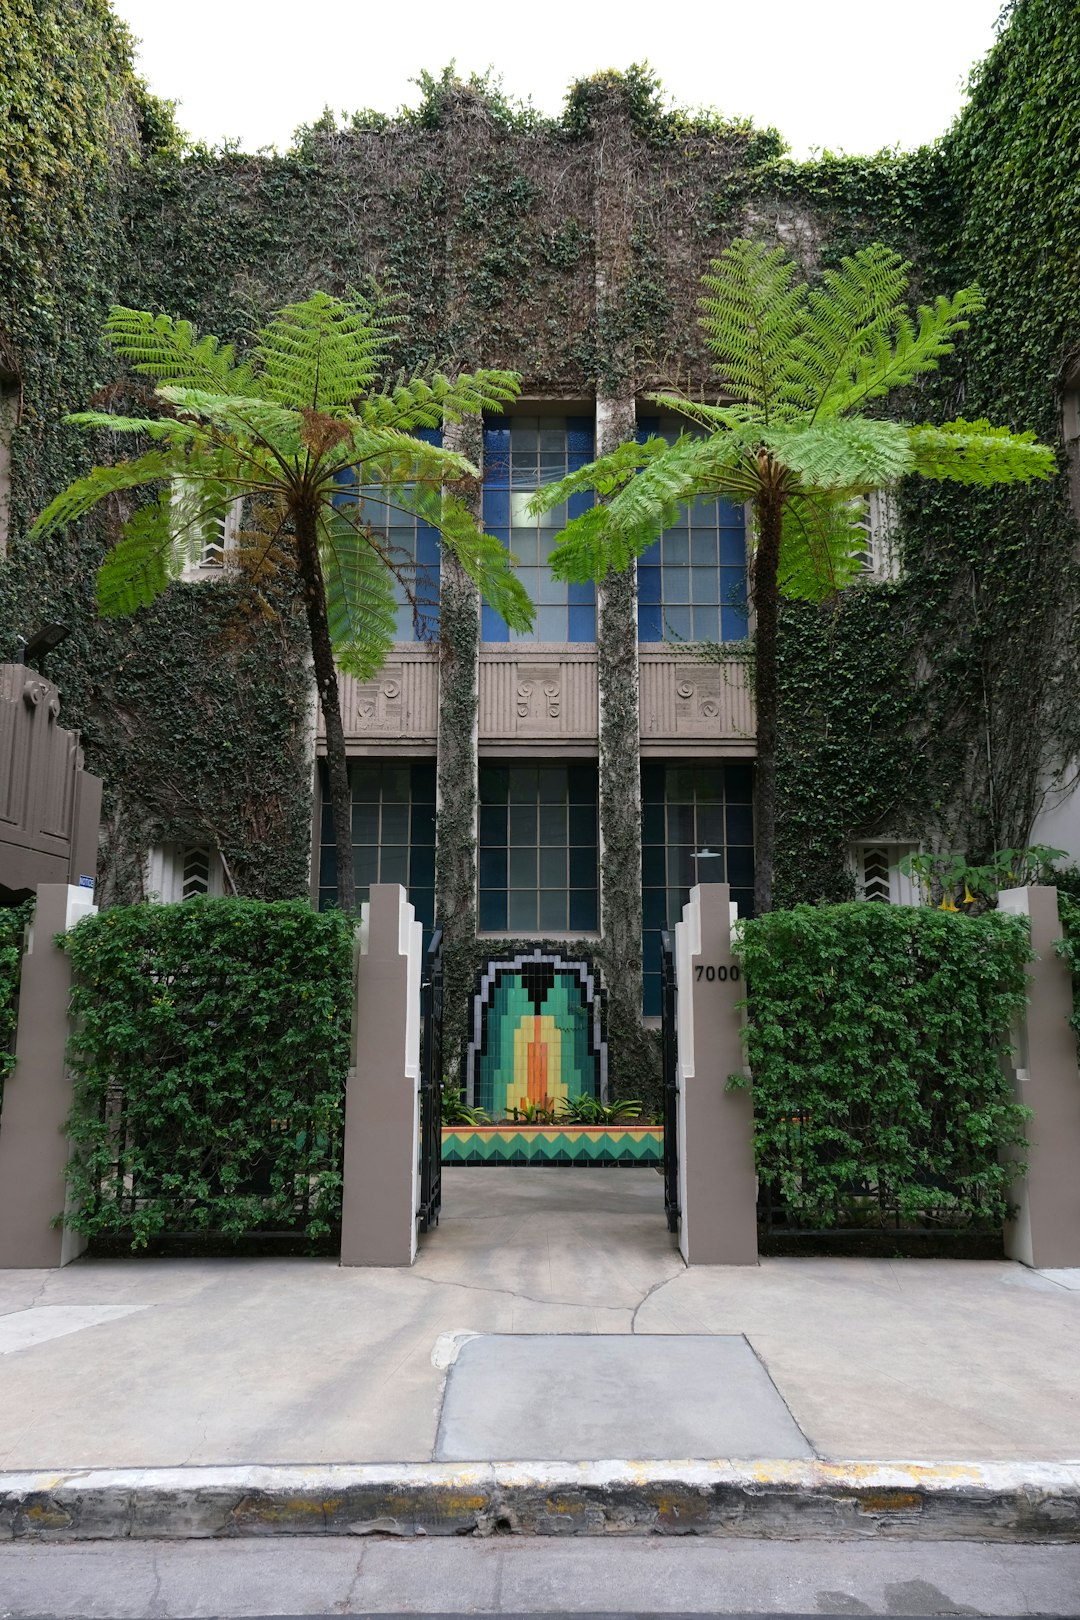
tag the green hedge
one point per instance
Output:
(13, 921)
(210, 1060)
(874, 1037)
(1069, 945)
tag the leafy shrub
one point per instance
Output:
(210, 1055)
(875, 1036)
(1069, 945)
(13, 921)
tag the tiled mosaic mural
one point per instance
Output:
(553, 1144)
(536, 1034)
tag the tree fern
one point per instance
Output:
(281, 429)
(795, 365)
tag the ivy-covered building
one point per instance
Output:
(570, 783)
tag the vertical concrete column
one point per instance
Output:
(1046, 1231)
(34, 1149)
(717, 1179)
(457, 766)
(382, 1101)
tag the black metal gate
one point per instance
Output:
(669, 1002)
(431, 1066)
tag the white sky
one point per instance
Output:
(831, 74)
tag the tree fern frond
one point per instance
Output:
(751, 313)
(75, 501)
(427, 400)
(858, 301)
(601, 477)
(821, 546)
(976, 453)
(360, 603)
(143, 562)
(890, 360)
(484, 558)
(850, 455)
(609, 536)
(243, 416)
(172, 351)
(323, 353)
(161, 428)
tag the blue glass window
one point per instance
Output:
(411, 547)
(520, 454)
(538, 848)
(692, 583)
(393, 833)
(688, 808)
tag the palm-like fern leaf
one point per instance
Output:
(143, 562)
(601, 477)
(859, 301)
(171, 351)
(853, 455)
(85, 493)
(360, 604)
(751, 314)
(822, 545)
(891, 360)
(430, 399)
(976, 453)
(166, 429)
(323, 353)
(483, 556)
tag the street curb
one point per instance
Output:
(960, 1501)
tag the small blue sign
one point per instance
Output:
(86, 882)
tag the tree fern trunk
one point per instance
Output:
(322, 654)
(770, 511)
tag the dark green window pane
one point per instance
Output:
(553, 909)
(365, 782)
(492, 868)
(582, 824)
(553, 868)
(366, 864)
(522, 781)
(423, 783)
(394, 864)
(553, 824)
(395, 824)
(681, 824)
(492, 824)
(581, 784)
(421, 868)
(494, 781)
(553, 784)
(365, 824)
(492, 910)
(584, 909)
(710, 825)
(739, 783)
(395, 787)
(521, 909)
(652, 863)
(423, 824)
(583, 868)
(523, 824)
(740, 824)
(652, 824)
(523, 868)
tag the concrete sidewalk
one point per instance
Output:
(144, 1364)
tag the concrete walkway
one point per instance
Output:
(158, 1363)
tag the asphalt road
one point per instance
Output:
(665, 1577)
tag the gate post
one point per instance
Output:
(1046, 1231)
(34, 1148)
(717, 1180)
(382, 1104)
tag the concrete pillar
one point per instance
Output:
(717, 1179)
(34, 1148)
(1046, 1231)
(382, 1095)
